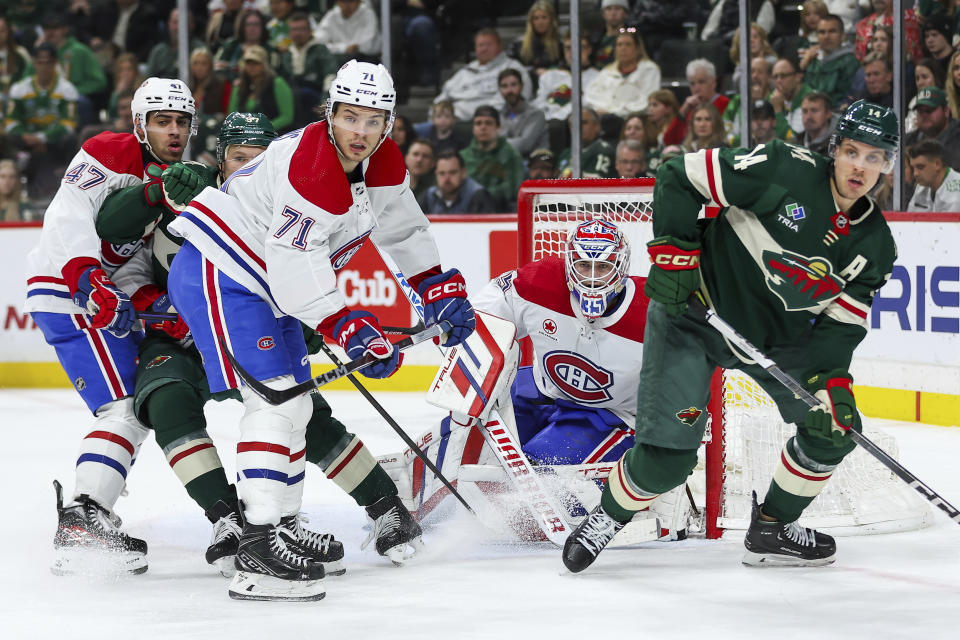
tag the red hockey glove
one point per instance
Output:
(150, 298)
(359, 333)
(153, 189)
(838, 414)
(674, 274)
(108, 306)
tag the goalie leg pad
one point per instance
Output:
(108, 452)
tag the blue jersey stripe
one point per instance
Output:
(49, 292)
(295, 479)
(264, 474)
(102, 459)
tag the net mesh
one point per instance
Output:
(861, 497)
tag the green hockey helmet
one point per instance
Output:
(871, 124)
(253, 129)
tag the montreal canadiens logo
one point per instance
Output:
(577, 377)
(342, 256)
(265, 343)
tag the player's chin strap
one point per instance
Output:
(698, 309)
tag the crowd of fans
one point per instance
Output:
(659, 78)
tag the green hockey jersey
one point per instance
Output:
(781, 262)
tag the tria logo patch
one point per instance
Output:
(156, 362)
(801, 282)
(689, 416)
(795, 212)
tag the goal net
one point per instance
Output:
(746, 433)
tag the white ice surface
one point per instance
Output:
(464, 585)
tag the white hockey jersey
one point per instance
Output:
(595, 364)
(69, 242)
(285, 223)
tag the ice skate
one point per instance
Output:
(225, 539)
(321, 547)
(267, 569)
(89, 540)
(779, 544)
(397, 535)
(589, 539)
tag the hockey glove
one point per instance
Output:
(153, 190)
(181, 184)
(109, 307)
(359, 333)
(838, 412)
(445, 298)
(314, 339)
(674, 274)
(150, 298)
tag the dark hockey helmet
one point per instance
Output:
(597, 259)
(254, 129)
(871, 124)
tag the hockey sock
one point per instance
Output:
(797, 480)
(642, 474)
(108, 451)
(175, 412)
(293, 498)
(621, 497)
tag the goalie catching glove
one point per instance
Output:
(108, 306)
(838, 411)
(150, 298)
(674, 274)
(358, 333)
(445, 298)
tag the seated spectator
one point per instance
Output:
(476, 84)
(662, 108)
(878, 77)
(706, 129)
(624, 85)
(938, 39)
(126, 79)
(351, 30)
(542, 165)
(759, 48)
(307, 63)
(763, 123)
(938, 186)
(492, 161)
(278, 29)
(420, 161)
(222, 25)
(605, 41)
(787, 98)
(80, 67)
(440, 130)
(41, 120)
(934, 123)
(702, 76)
(597, 157)
(259, 89)
(14, 59)
(927, 73)
(10, 193)
(724, 19)
(830, 65)
(420, 39)
(253, 32)
(635, 128)
(539, 47)
(455, 191)
(883, 17)
(524, 126)
(402, 133)
(810, 13)
(760, 87)
(882, 43)
(819, 121)
(631, 160)
(952, 84)
(210, 90)
(554, 92)
(163, 60)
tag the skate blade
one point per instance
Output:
(335, 568)
(225, 566)
(753, 559)
(255, 586)
(399, 554)
(89, 562)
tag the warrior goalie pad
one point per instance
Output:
(478, 371)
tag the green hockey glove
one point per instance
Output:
(674, 274)
(314, 339)
(181, 184)
(838, 412)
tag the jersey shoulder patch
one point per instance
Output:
(316, 173)
(633, 323)
(119, 152)
(544, 283)
(386, 167)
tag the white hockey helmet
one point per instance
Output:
(161, 94)
(597, 258)
(366, 85)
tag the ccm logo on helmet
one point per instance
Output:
(577, 377)
(448, 289)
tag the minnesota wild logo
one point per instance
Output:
(689, 416)
(156, 362)
(801, 282)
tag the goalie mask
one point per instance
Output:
(362, 84)
(597, 258)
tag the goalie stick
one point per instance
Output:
(715, 321)
(279, 396)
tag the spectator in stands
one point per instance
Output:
(810, 13)
(260, 89)
(605, 42)
(278, 29)
(830, 65)
(440, 130)
(80, 67)
(883, 17)
(475, 84)
(421, 38)
(759, 48)
(420, 159)
(307, 63)
(706, 129)
(524, 126)
(938, 39)
(542, 165)
(938, 185)
(126, 79)
(539, 47)
(554, 92)
(952, 84)
(624, 85)
(351, 30)
(849, 11)
(253, 32)
(761, 70)
(882, 43)
(662, 109)
(210, 90)
(41, 119)
(927, 73)
(455, 191)
(763, 123)
(724, 19)
(635, 127)
(402, 133)
(631, 160)
(818, 121)
(14, 59)
(787, 98)
(878, 77)
(492, 161)
(163, 60)
(10, 192)
(222, 25)
(934, 123)
(702, 76)
(130, 25)
(597, 157)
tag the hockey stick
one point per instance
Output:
(279, 396)
(811, 401)
(405, 331)
(152, 316)
(396, 427)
